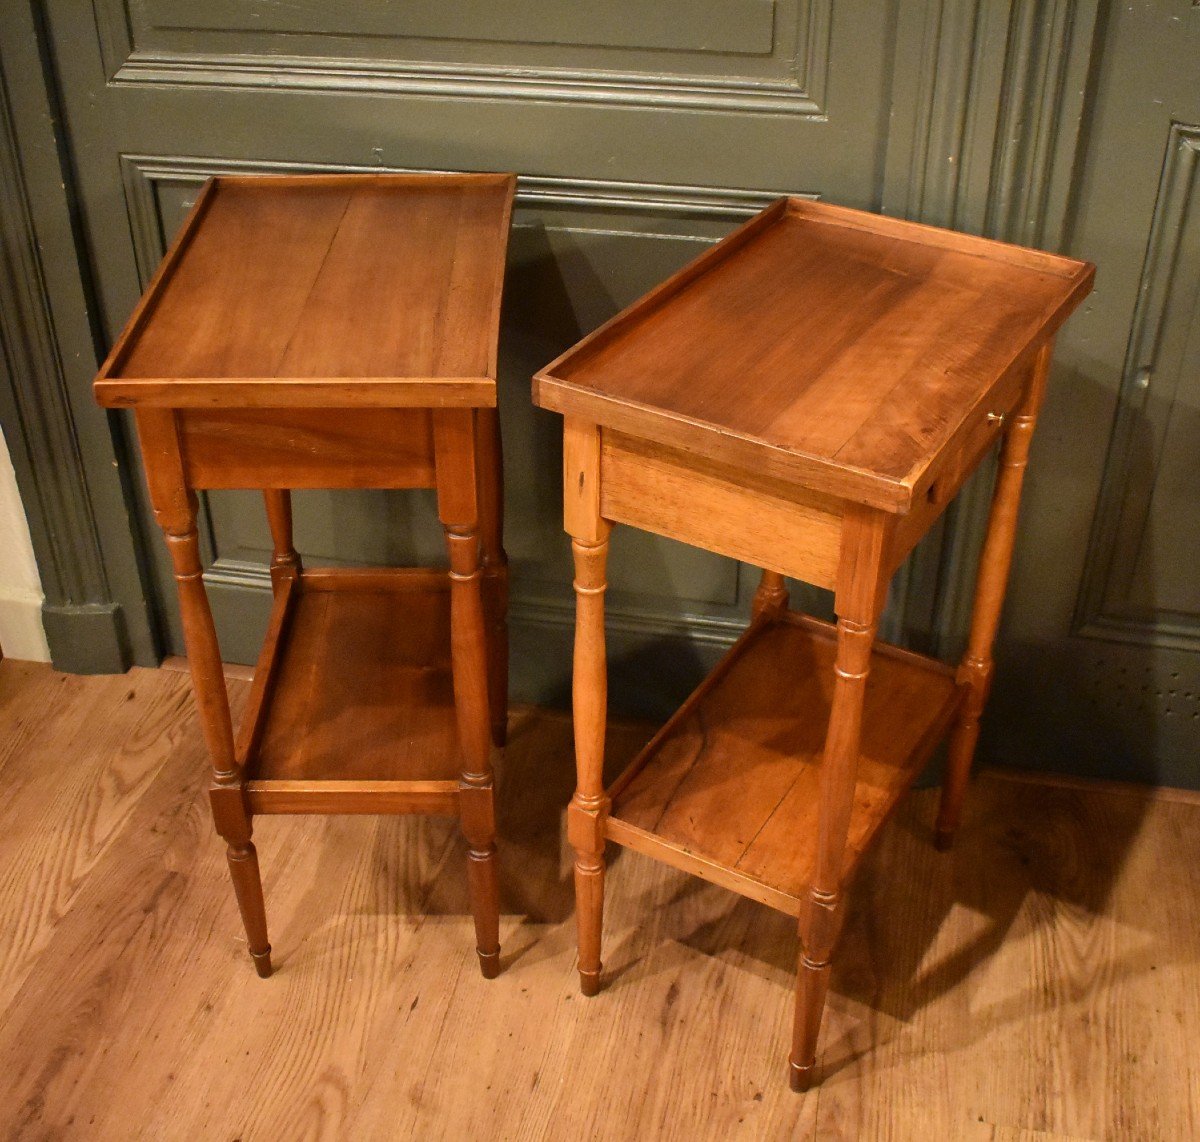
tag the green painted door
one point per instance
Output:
(1099, 669)
(642, 132)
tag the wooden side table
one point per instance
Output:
(807, 396)
(338, 332)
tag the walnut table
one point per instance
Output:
(338, 332)
(807, 396)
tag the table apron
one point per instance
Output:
(307, 448)
(682, 497)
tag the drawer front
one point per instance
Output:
(689, 499)
(977, 440)
(307, 448)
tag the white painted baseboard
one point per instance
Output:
(21, 633)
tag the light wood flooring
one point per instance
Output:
(1040, 982)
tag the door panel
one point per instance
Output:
(701, 53)
(678, 26)
(1144, 555)
(1100, 671)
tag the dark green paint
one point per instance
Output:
(1099, 672)
(639, 137)
(61, 444)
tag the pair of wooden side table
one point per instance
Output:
(807, 397)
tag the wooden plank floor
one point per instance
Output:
(1041, 982)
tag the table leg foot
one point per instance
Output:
(489, 963)
(247, 886)
(589, 910)
(262, 963)
(801, 1078)
(485, 907)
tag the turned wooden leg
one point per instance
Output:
(285, 562)
(495, 567)
(175, 509)
(233, 824)
(771, 598)
(458, 509)
(820, 927)
(976, 675)
(860, 590)
(975, 670)
(588, 812)
(476, 786)
(226, 793)
(589, 806)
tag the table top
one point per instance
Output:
(313, 290)
(832, 348)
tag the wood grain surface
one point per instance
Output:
(277, 288)
(847, 352)
(659, 490)
(1039, 982)
(731, 790)
(363, 689)
(308, 447)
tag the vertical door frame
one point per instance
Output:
(70, 471)
(987, 136)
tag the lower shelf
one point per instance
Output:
(352, 709)
(729, 788)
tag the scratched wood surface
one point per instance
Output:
(364, 689)
(1029, 985)
(329, 288)
(734, 785)
(846, 352)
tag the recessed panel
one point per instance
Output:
(757, 55)
(1143, 557)
(716, 26)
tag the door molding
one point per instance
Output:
(140, 172)
(92, 622)
(986, 138)
(1142, 379)
(800, 93)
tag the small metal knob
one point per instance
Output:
(996, 418)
